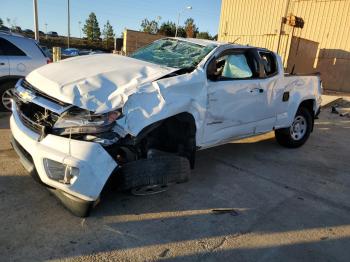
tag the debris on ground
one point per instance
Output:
(230, 211)
(342, 108)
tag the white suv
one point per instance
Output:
(18, 57)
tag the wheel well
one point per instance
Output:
(309, 104)
(9, 79)
(174, 134)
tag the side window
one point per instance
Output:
(269, 63)
(235, 66)
(9, 49)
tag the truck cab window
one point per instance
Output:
(233, 66)
(269, 63)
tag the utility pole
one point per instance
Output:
(68, 23)
(281, 27)
(36, 23)
(46, 31)
(178, 18)
(79, 29)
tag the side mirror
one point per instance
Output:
(211, 70)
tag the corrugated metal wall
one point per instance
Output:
(257, 23)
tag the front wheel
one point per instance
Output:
(297, 134)
(6, 96)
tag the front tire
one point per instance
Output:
(161, 169)
(5, 95)
(297, 134)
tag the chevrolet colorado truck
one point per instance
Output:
(76, 122)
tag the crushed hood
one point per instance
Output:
(98, 83)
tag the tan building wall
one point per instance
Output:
(324, 42)
(133, 40)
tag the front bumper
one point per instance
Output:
(94, 163)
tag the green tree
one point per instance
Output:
(181, 32)
(1, 22)
(91, 28)
(203, 35)
(149, 26)
(108, 33)
(167, 28)
(190, 28)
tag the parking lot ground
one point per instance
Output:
(289, 205)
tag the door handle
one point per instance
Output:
(257, 90)
(2, 63)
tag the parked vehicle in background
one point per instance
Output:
(4, 28)
(52, 34)
(70, 52)
(28, 31)
(76, 122)
(16, 29)
(90, 52)
(95, 52)
(18, 57)
(85, 51)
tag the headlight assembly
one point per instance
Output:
(79, 121)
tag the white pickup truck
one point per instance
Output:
(75, 123)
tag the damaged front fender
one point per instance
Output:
(165, 98)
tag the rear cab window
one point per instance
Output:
(269, 62)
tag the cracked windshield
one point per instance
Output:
(173, 53)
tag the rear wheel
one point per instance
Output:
(297, 134)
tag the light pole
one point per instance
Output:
(178, 18)
(79, 29)
(46, 31)
(36, 23)
(68, 23)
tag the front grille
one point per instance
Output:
(37, 128)
(27, 85)
(36, 118)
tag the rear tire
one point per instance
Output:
(5, 95)
(297, 134)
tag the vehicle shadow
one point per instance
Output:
(4, 120)
(287, 204)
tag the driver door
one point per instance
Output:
(233, 87)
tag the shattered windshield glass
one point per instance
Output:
(173, 53)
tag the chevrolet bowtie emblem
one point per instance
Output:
(26, 95)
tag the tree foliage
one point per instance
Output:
(1, 22)
(190, 28)
(203, 35)
(108, 33)
(168, 28)
(91, 28)
(181, 32)
(149, 26)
